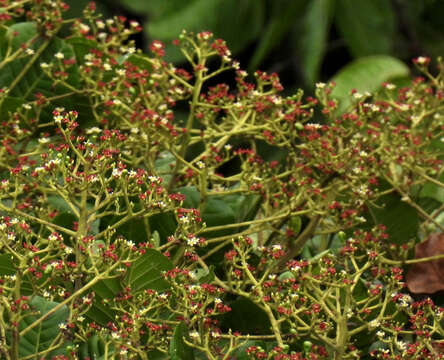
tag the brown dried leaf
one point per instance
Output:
(427, 277)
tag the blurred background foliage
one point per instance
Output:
(305, 41)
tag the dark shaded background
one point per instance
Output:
(305, 41)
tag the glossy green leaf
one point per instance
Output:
(41, 336)
(313, 38)
(178, 349)
(368, 27)
(366, 74)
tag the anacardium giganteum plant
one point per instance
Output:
(123, 234)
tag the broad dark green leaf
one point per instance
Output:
(312, 39)
(146, 272)
(178, 349)
(6, 264)
(284, 14)
(205, 276)
(156, 8)
(41, 336)
(81, 47)
(165, 224)
(366, 74)
(246, 317)
(59, 203)
(10, 105)
(93, 349)
(401, 220)
(25, 78)
(195, 16)
(368, 27)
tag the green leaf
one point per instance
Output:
(165, 224)
(25, 77)
(313, 38)
(178, 349)
(9, 105)
(246, 317)
(295, 224)
(401, 220)
(434, 191)
(284, 13)
(194, 16)
(366, 74)
(81, 47)
(368, 27)
(41, 336)
(146, 272)
(205, 276)
(93, 349)
(59, 204)
(6, 265)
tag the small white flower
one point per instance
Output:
(374, 324)
(193, 241)
(107, 67)
(320, 85)
(44, 140)
(62, 326)
(93, 130)
(59, 55)
(29, 52)
(84, 28)
(194, 334)
(390, 86)
(404, 107)
(401, 345)
(100, 24)
(200, 164)
(58, 119)
(215, 335)
(69, 250)
(421, 60)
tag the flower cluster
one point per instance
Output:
(146, 207)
